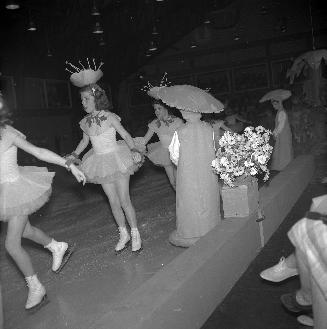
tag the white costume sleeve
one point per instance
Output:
(281, 119)
(174, 149)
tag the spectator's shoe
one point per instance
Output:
(306, 320)
(291, 304)
(278, 272)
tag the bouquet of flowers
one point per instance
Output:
(243, 155)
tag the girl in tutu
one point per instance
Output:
(164, 126)
(23, 190)
(109, 163)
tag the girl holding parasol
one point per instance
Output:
(192, 150)
(283, 149)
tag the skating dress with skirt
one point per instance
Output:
(283, 149)
(197, 189)
(23, 190)
(108, 159)
(158, 152)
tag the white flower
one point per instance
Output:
(262, 159)
(260, 129)
(215, 163)
(239, 171)
(248, 163)
(224, 161)
(253, 171)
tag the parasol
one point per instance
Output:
(277, 94)
(311, 58)
(187, 98)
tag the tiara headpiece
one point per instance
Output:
(163, 83)
(153, 90)
(83, 76)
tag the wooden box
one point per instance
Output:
(241, 200)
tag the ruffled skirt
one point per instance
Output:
(107, 167)
(27, 194)
(159, 155)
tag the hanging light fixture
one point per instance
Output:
(154, 30)
(97, 28)
(12, 5)
(263, 10)
(153, 46)
(95, 11)
(102, 41)
(236, 37)
(31, 26)
(193, 45)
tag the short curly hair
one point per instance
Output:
(101, 100)
(4, 114)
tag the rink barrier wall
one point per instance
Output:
(186, 291)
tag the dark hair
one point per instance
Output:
(159, 102)
(101, 100)
(4, 114)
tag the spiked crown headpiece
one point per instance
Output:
(84, 76)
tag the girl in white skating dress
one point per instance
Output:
(164, 126)
(23, 190)
(109, 162)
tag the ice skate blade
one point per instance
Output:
(44, 301)
(68, 254)
(118, 252)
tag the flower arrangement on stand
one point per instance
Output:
(240, 156)
(239, 160)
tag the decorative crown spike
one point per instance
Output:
(81, 77)
(163, 83)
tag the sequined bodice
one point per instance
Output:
(8, 165)
(105, 142)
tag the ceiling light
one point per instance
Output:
(207, 21)
(153, 46)
(97, 28)
(237, 37)
(263, 10)
(12, 5)
(95, 11)
(102, 42)
(154, 31)
(49, 54)
(31, 26)
(193, 45)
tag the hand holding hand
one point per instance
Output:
(80, 177)
(136, 156)
(73, 158)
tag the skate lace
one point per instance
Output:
(281, 264)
